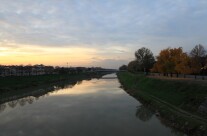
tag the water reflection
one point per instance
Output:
(177, 133)
(13, 103)
(23, 97)
(81, 108)
(144, 113)
(85, 87)
(20, 102)
(2, 107)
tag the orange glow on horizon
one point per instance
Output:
(46, 55)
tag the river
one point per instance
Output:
(97, 107)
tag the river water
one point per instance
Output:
(97, 107)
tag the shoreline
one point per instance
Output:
(172, 115)
(44, 88)
(15, 83)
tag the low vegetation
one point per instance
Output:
(171, 97)
(187, 95)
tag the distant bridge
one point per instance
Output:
(107, 70)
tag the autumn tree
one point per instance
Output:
(155, 68)
(183, 64)
(145, 59)
(165, 62)
(172, 61)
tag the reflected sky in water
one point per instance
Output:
(90, 108)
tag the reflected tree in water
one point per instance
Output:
(24, 97)
(177, 133)
(13, 104)
(69, 86)
(30, 99)
(144, 113)
(47, 94)
(37, 98)
(43, 96)
(167, 121)
(22, 102)
(2, 107)
(79, 82)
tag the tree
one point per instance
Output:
(155, 68)
(165, 62)
(172, 61)
(123, 67)
(133, 66)
(198, 58)
(183, 64)
(198, 51)
(145, 59)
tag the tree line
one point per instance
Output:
(169, 61)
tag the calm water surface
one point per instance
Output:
(90, 108)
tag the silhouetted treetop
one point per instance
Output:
(145, 58)
(198, 51)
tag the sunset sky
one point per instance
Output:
(102, 33)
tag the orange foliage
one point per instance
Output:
(172, 61)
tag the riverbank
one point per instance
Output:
(177, 102)
(22, 82)
(43, 89)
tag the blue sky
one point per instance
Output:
(104, 32)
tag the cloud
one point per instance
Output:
(104, 25)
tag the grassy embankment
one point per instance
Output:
(21, 82)
(176, 101)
